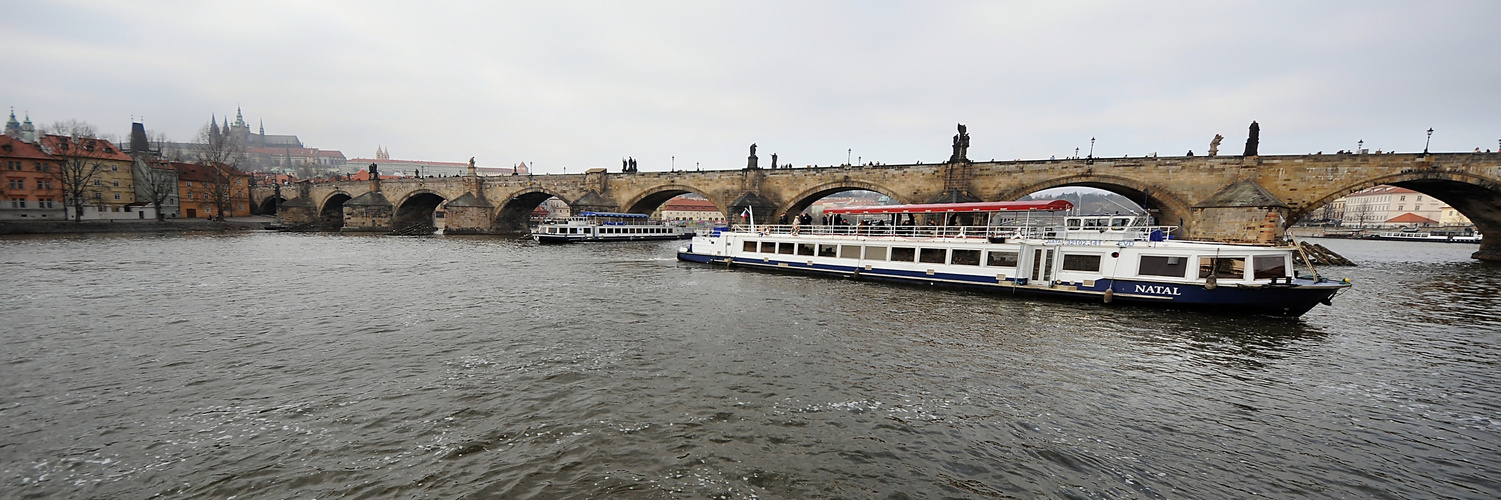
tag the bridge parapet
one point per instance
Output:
(1273, 191)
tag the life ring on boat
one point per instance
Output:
(1211, 283)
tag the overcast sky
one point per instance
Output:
(578, 85)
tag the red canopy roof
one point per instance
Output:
(985, 206)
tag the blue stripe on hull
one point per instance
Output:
(1282, 301)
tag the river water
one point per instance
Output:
(267, 365)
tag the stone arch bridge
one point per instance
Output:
(1222, 198)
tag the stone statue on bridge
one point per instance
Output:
(751, 161)
(1253, 140)
(961, 146)
(774, 161)
(1214, 145)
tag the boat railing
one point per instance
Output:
(1135, 233)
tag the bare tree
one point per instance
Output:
(1361, 213)
(71, 128)
(155, 186)
(80, 162)
(219, 152)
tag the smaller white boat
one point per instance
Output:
(1430, 237)
(608, 226)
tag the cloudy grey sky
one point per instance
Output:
(582, 84)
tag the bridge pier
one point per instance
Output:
(1243, 212)
(300, 213)
(370, 212)
(469, 214)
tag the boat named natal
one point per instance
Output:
(1033, 248)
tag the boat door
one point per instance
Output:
(1041, 264)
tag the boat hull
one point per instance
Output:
(1291, 300)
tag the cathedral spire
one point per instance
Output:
(213, 125)
(263, 127)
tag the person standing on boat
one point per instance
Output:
(782, 220)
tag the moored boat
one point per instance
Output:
(607, 226)
(1033, 248)
(1430, 237)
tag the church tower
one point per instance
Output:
(13, 127)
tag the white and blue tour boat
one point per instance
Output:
(1035, 248)
(607, 226)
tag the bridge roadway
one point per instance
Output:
(1222, 198)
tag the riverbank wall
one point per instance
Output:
(130, 226)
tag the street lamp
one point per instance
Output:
(847, 155)
(1360, 144)
(1091, 148)
(1076, 152)
(674, 163)
(1430, 139)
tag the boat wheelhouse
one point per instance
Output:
(607, 226)
(1033, 248)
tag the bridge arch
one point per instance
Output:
(801, 201)
(647, 201)
(416, 212)
(331, 210)
(1476, 197)
(267, 206)
(1170, 209)
(514, 213)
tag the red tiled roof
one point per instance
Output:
(690, 205)
(85, 147)
(1411, 218)
(11, 147)
(196, 172)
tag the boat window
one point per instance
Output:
(1151, 265)
(1120, 222)
(786, 248)
(768, 247)
(1073, 223)
(1269, 266)
(965, 258)
(828, 250)
(1001, 259)
(903, 254)
(932, 255)
(875, 253)
(1223, 267)
(750, 246)
(1081, 262)
(849, 251)
(805, 249)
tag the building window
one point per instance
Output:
(98, 182)
(117, 196)
(117, 183)
(18, 203)
(17, 184)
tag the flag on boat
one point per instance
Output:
(746, 212)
